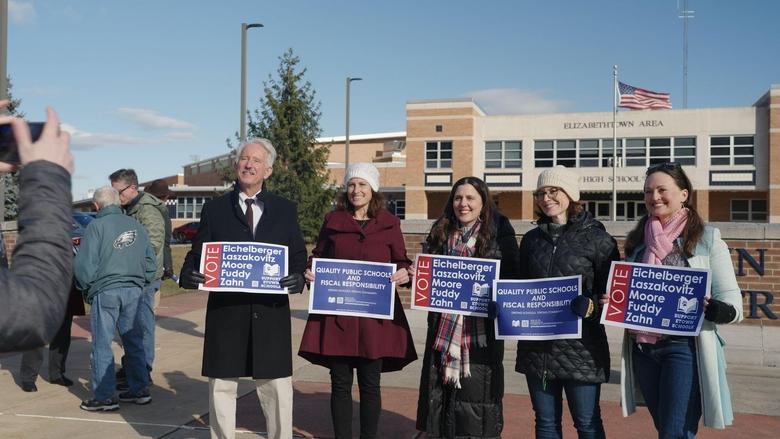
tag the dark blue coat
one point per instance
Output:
(248, 335)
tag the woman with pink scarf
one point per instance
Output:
(681, 378)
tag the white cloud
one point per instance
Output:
(151, 119)
(515, 101)
(41, 91)
(21, 12)
(83, 140)
(179, 135)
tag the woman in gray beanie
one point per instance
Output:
(567, 241)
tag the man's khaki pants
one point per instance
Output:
(276, 399)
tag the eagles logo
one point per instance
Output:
(126, 239)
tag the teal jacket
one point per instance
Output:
(145, 209)
(115, 252)
(713, 254)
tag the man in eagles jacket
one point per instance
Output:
(249, 335)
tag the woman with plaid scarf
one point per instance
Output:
(462, 380)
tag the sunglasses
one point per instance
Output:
(666, 166)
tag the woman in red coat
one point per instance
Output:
(359, 229)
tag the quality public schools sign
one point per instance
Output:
(537, 309)
(454, 284)
(656, 298)
(249, 267)
(352, 288)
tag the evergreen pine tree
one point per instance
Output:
(289, 117)
(11, 179)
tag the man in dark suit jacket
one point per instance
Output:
(249, 335)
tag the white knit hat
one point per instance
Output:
(366, 171)
(561, 177)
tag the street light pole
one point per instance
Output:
(242, 127)
(346, 140)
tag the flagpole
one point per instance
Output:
(614, 141)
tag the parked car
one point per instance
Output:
(186, 232)
(80, 222)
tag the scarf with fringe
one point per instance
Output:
(456, 333)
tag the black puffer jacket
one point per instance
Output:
(475, 410)
(584, 247)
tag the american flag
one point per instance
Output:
(637, 98)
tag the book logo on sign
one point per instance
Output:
(688, 306)
(271, 269)
(481, 290)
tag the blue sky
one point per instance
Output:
(155, 84)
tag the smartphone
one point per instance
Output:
(9, 153)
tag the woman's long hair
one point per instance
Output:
(448, 223)
(694, 228)
(376, 204)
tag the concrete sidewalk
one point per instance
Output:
(180, 394)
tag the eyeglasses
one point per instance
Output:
(552, 193)
(666, 166)
(126, 188)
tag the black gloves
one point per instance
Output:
(492, 310)
(294, 283)
(582, 306)
(190, 279)
(719, 312)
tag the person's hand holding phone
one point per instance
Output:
(52, 146)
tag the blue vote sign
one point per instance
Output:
(537, 309)
(248, 267)
(656, 298)
(453, 284)
(352, 288)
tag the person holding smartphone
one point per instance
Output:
(34, 291)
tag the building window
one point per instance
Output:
(438, 154)
(748, 210)
(685, 150)
(607, 152)
(190, 207)
(589, 153)
(732, 150)
(636, 152)
(205, 167)
(503, 154)
(566, 153)
(397, 206)
(544, 155)
(626, 210)
(660, 150)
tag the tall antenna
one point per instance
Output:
(685, 14)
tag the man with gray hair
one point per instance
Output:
(249, 335)
(114, 264)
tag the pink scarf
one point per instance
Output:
(659, 239)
